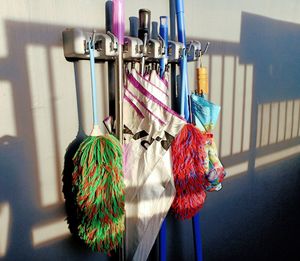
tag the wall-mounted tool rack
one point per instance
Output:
(106, 46)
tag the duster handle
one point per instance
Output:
(184, 91)
(96, 128)
(154, 30)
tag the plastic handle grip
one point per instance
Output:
(163, 28)
(154, 32)
(134, 26)
(180, 21)
(144, 26)
(118, 20)
(179, 6)
(202, 80)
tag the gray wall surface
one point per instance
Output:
(45, 110)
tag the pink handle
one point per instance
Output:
(118, 20)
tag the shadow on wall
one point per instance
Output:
(258, 90)
(273, 48)
(253, 216)
(31, 204)
(249, 210)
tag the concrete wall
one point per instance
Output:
(45, 106)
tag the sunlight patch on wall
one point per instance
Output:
(296, 119)
(43, 126)
(274, 122)
(281, 121)
(265, 123)
(237, 127)
(289, 120)
(277, 122)
(215, 90)
(47, 233)
(3, 45)
(276, 156)
(4, 227)
(258, 131)
(227, 106)
(7, 112)
(248, 107)
(237, 169)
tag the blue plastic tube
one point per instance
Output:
(184, 111)
(180, 21)
(93, 82)
(163, 31)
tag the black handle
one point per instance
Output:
(144, 27)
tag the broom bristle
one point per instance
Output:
(188, 156)
(98, 184)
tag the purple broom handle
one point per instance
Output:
(118, 20)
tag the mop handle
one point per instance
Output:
(118, 20)
(144, 24)
(133, 26)
(180, 21)
(184, 92)
(184, 110)
(93, 82)
(143, 33)
(163, 31)
(154, 30)
(109, 16)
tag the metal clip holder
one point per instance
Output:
(132, 48)
(75, 45)
(175, 51)
(193, 50)
(106, 46)
(155, 49)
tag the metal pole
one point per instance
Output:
(179, 6)
(119, 95)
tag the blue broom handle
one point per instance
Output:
(163, 31)
(197, 237)
(184, 92)
(93, 82)
(163, 242)
(180, 21)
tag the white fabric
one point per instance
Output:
(149, 182)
